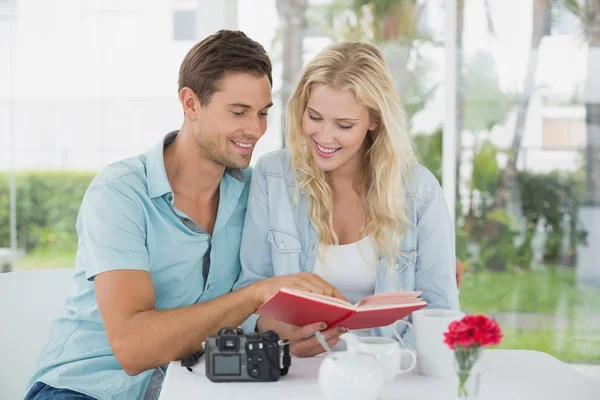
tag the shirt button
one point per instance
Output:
(170, 197)
(282, 245)
(208, 286)
(396, 266)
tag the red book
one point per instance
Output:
(304, 308)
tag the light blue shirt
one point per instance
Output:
(128, 220)
(278, 239)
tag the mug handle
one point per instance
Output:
(412, 353)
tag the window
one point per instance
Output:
(564, 133)
(110, 7)
(7, 9)
(184, 25)
(10, 4)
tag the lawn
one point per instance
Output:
(549, 292)
(541, 310)
(570, 345)
(47, 259)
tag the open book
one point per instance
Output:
(303, 308)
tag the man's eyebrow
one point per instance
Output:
(337, 119)
(248, 106)
(239, 105)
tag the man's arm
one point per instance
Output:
(143, 338)
(111, 227)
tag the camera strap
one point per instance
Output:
(286, 359)
(192, 360)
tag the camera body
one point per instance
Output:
(232, 356)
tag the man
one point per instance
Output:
(159, 238)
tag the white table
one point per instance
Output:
(508, 374)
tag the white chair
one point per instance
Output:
(29, 302)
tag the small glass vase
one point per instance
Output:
(468, 368)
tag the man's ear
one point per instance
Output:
(189, 102)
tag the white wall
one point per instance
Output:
(93, 82)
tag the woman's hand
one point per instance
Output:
(460, 270)
(303, 342)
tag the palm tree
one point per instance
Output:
(460, 80)
(292, 17)
(486, 106)
(396, 26)
(541, 21)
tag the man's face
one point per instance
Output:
(228, 128)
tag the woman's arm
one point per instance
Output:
(435, 274)
(436, 256)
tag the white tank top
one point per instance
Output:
(350, 267)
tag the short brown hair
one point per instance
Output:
(223, 52)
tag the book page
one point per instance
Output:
(390, 299)
(319, 297)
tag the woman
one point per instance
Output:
(347, 200)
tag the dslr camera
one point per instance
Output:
(232, 356)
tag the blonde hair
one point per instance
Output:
(389, 159)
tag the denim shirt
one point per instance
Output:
(279, 239)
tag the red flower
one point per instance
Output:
(478, 330)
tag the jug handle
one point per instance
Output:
(397, 335)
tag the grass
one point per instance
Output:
(551, 291)
(569, 345)
(47, 259)
(541, 310)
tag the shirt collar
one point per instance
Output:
(156, 174)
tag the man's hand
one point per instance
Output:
(303, 281)
(303, 342)
(460, 270)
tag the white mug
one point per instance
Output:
(434, 357)
(387, 351)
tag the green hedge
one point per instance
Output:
(47, 207)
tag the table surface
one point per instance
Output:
(508, 374)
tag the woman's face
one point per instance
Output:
(335, 125)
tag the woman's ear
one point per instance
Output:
(373, 125)
(373, 121)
